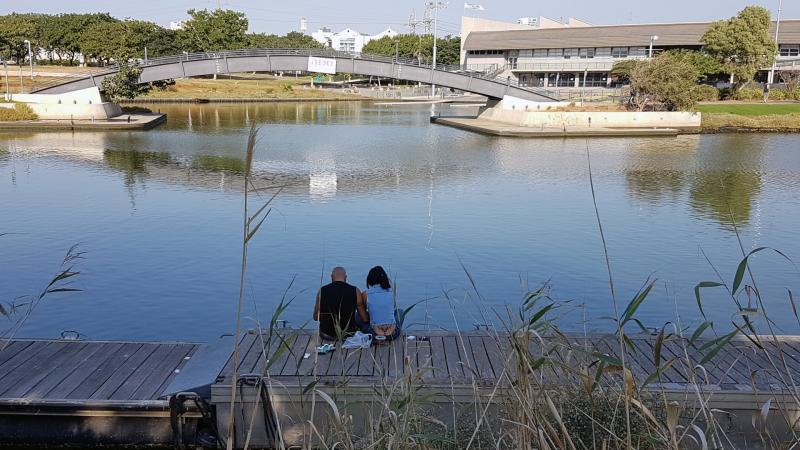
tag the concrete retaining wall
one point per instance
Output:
(83, 104)
(50, 111)
(679, 120)
(88, 96)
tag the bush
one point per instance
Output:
(124, 85)
(163, 85)
(707, 93)
(748, 93)
(20, 111)
(778, 94)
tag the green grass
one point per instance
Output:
(751, 109)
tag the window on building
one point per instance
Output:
(511, 63)
(566, 80)
(594, 79)
(570, 53)
(586, 53)
(619, 52)
(790, 50)
(540, 53)
(555, 52)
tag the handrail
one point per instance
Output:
(490, 75)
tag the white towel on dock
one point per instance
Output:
(358, 340)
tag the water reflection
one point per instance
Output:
(134, 163)
(659, 171)
(726, 186)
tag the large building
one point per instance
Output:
(348, 40)
(577, 54)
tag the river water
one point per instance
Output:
(464, 223)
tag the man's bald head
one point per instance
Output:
(338, 274)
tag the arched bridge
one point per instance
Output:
(310, 60)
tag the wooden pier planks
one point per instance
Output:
(58, 370)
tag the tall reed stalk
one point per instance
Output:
(251, 223)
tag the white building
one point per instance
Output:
(177, 25)
(348, 40)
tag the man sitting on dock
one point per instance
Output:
(336, 306)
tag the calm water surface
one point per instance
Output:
(159, 216)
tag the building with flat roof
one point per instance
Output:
(582, 55)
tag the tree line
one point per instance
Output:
(100, 38)
(420, 47)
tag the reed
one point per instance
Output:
(20, 309)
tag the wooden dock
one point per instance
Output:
(119, 392)
(80, 392)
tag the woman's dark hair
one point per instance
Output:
(378, 276)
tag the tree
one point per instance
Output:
(666, 82)
(291, 40)
(14, 30)
(101, 41)
(62, 34)
(622, 70)
(124, 85)
(221, 29)
(705, 64)
(742, 44)
(419, 47)
(127, 39)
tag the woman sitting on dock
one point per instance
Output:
(385, 322)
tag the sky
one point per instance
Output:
(372, 16)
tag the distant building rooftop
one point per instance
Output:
(669, 34)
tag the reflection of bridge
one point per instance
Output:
(288, 60)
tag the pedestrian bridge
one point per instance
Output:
(485, 82)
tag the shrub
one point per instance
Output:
(748, 93)
(20, 111)
(124, 85)
(707, 93)
(778, 94)
(163, 85)
(726, 93)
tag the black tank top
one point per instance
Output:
(337, 308)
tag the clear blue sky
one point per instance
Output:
(375, 15)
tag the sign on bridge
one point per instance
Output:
(321, 65)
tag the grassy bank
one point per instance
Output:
(750, 109)
(747, 117)
(286, 88)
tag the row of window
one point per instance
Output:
(790, 50)
(589, 53)
(485, 52)
(568, 53)
(564, 80)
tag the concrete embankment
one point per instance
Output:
(130, 122)
(513, 117)
(494, 128)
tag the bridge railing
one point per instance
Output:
(489, 73)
